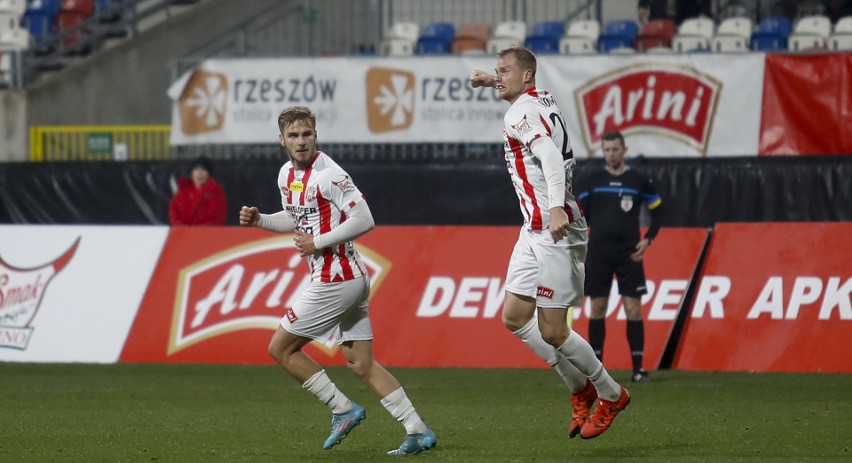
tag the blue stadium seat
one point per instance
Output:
(618, 34)
(771, 35)
(436, 39)
(545, 37)
(40, 17)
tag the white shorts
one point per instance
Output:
(332, 309)
(552, 273)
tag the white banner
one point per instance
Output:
(666, 105)
(70, 293)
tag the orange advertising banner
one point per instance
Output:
(773, 297)
(217, 294)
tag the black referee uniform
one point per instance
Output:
(612, 204)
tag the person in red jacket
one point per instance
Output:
(200, 200)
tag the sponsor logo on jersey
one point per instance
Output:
(298, 187)
(668, 100)
(202, 103)
(247, 287)
(545, 292)
(390, 99)
(21, 293)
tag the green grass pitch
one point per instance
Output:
(208, 413)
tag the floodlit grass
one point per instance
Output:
(177, 413)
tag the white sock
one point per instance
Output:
(321, 386)
(580, 353)
(401, 408)
(530, 334)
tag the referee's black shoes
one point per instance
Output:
(640, 376)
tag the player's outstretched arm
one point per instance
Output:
(480, 78)
(280, 222)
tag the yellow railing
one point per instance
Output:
(99, 143)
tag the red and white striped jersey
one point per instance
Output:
(317, 198)
(535, 114)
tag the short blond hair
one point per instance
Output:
(523, 56)
(295, 114)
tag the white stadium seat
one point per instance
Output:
(498, 43)
(810, 32)
(581, 37)
(742, 27)
(577, 45)
(511, 29)
(396, 47)
(18, 7)
(841, 39)
(14, 39)
(400, 39)
(693, 34)
(728, 44)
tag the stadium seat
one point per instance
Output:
(545, 36)
(507, 34)
(733, 35)
(618, 34)
(841, 39)
(435, 39)
(19, 7)
(472, 38)
(656, 33)
(72, 13)
(500, 43)
(40, 17)
(511, 29)
(771, 35)
(581, 37)
(399, 39)
(14, 39)
(810, 32)
(693, 34)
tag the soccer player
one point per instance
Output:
(612, 199)
(327, 211)
(545, 274)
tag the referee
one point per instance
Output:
(612, 199)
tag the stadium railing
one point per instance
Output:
(99, 143)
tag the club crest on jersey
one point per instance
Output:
(344, 184)
(626, 203)
(545, 292)
(311, 193)
(523, 127)
(297, 186)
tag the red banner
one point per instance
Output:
(218, 293)
(806, 104)
(773, 297)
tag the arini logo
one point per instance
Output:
(390, 99)
(202, 103)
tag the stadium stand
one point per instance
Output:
(618, 34)
(581, 37)
(545, 36)
(657, 33)
(810, 32)
(733, 35)
(472, 38)
(507, 34)
(693, 34)
(771, 35)
(400, 39)
(436, 39)
(841, 39)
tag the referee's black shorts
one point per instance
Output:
(605, 259)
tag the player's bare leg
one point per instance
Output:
(359, 359)
(597, 324)
(635, 337)
(286, 349)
